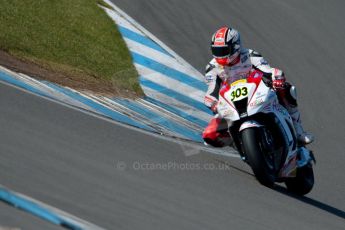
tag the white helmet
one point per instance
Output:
(226, 46)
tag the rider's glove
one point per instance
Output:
(278, 79)
(214, 106)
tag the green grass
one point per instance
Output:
(74, 37)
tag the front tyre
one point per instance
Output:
(303, 182)
(260, 163)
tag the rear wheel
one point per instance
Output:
(303, 182)
(261, 163)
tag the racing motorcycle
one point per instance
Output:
(264, 134)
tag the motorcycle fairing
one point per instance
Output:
(252, 96)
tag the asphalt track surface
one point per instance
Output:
(70, 159)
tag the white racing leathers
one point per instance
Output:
(216, 74)
(250, 59)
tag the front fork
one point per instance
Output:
(266, 142)
(238, 143)
(305, 156)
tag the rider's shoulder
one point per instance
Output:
(210, 66)
(254, 54)
(257, 59)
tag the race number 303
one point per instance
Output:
(239, 93)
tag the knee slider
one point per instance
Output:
(292, 96)
(293, 92)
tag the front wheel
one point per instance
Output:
(262, 165)
(303, 182)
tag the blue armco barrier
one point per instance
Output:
(178, 112)
(35, 209)
(169, 72)
(141, 39)
(163, 122)
(6, 78)
(173, 94)
(100, 108)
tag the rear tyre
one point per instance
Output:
(303, 182)
(261, 165)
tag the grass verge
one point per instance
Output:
(74, 38)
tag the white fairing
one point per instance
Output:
(260, 99)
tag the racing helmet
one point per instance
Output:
(226, 46)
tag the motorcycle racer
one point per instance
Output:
(232, 62)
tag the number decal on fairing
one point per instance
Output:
(238, 93)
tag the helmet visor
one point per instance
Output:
(220, 51)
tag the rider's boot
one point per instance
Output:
(288, 98)
(302, 136)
